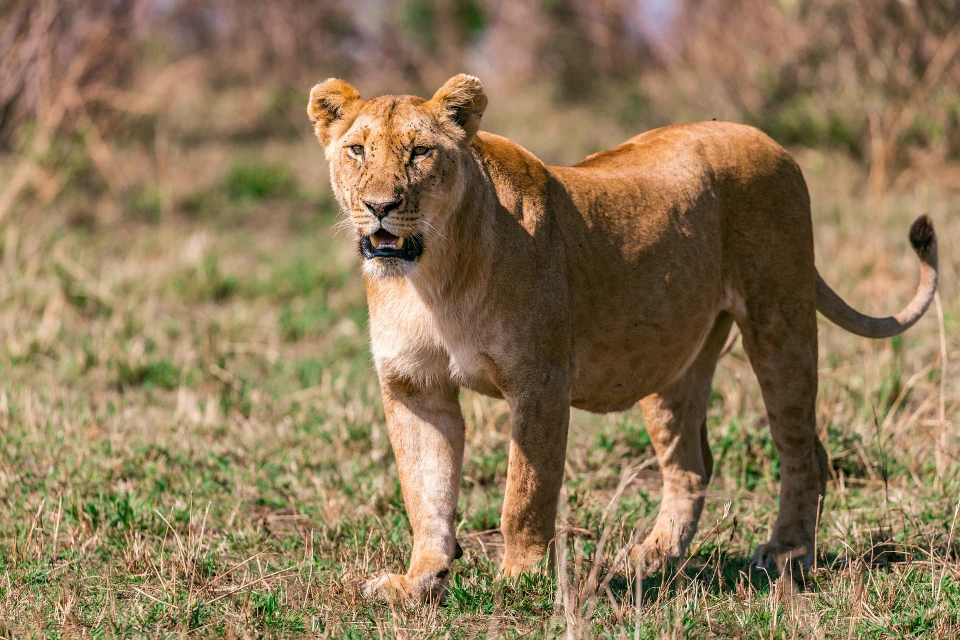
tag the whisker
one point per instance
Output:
(436, 231)
(344, 225)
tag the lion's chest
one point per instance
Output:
(470, 361)
(471, 369)
(411, 342)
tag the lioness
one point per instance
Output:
(595, 286)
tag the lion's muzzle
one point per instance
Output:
(384, 244)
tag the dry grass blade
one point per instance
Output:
(84, 277)
(626, 478)
(248, 585)
(949, 550)
(941, 430)
(33, 527)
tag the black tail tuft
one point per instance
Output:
(922, 236)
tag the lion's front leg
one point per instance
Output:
(427, 431)
(538, 448)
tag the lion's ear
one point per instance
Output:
(331, 102)
(462, 101)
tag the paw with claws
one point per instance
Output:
(394, 587)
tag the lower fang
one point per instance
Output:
(399, 243)
(374, 241)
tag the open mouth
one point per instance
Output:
(384, 244)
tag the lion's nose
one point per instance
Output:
(382, 209)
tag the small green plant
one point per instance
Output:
(143, 204)
(206, 282)
(258, 181)
(304, 318)
(150, 372)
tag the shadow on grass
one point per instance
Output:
(732, 574)
(723, 573)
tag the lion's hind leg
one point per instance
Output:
(780, 338)
(676, 421)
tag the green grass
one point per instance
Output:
(192, 443)
(258, 181)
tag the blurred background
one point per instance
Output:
(183, 330)
(873, 79)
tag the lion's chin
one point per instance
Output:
(387, 267)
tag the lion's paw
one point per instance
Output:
(514, 569)
(533, 559)
(775, 556)
(394, 587)
(390, 587)
(651, 557)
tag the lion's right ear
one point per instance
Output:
(332, 103)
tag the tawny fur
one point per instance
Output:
(613, 281)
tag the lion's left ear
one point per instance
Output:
(462, 101)
(331, 102)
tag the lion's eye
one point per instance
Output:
(420, 151)
(357, 149)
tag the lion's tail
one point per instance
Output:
(924, 241)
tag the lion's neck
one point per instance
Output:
(455, 264)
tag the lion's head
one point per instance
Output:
(396, 164)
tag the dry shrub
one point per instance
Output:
(53, 50)
(278, 39)
(872, 77)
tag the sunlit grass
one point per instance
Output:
(192, 441)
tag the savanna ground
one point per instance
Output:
(193, 442)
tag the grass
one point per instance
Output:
(192, 441)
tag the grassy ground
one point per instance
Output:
(192, 441)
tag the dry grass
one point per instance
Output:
(192, 442)
(191, 438)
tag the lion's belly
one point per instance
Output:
(641, 311)
(613, 386)
(629, 353)
(621, 354)
(615, 382)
